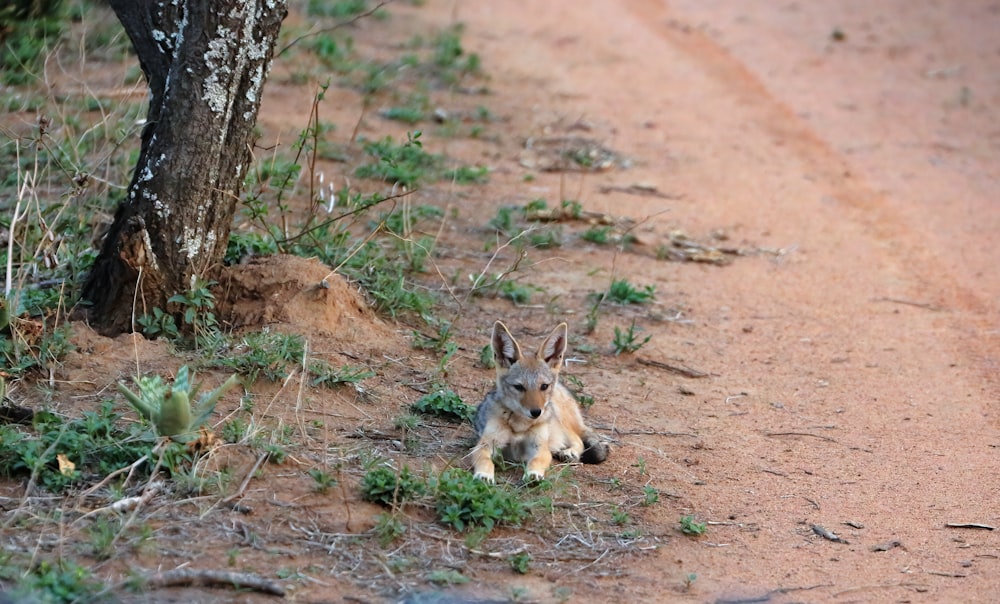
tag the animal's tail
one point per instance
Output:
(594, 449)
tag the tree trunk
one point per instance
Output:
(205, 62)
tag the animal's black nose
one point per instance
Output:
(536, 412)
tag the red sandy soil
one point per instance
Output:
(852, 364)
(854, 376)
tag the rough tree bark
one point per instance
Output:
(205, 62)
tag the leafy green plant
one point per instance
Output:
(323, 480)
(247, 245)
(195, 311)
(235, 430)
(600, 235)
(690, 526)
(33, 344)
(325, 375)
(197, 305)
(407, 114)
(627, 341)
(623, 292)
(486, 358)
(403, 222)
(169, 408)
(103, 533)
(619, 516)
(276, 452)
(388, 487)
(504, 221)
(545, 238)
(388, 528)
(29, 29)
(56, 581)
(447, 577)
(688, 581)
(650, 495)
(262, 354)
(467, 175)
(450, 58)
(159, 324)
(576, 387)
(520, 562)
(406, 164)
(463, 502)
(57, 453)
(515, 292)
(445, 404)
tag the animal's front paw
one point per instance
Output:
(567, 456)
(532, 476)
(485, 477)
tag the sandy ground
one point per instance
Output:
(848, 364)
(855, 375)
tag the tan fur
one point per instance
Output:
(530, 417)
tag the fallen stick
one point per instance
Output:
(192, 577)
(970, 525)
(246, 480)
(127, 504)
(681, 369)
(827, 534)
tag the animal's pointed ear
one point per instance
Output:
(553, 349)
(506, 352)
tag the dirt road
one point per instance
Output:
(854, 373)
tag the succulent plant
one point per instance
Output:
(169, 408)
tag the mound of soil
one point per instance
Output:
(300, 292)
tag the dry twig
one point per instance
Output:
(186, 577)
(680, 369)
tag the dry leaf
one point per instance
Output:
(206, 441)
(66, 467)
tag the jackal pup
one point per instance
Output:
(530, 416)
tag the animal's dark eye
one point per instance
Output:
(543, 387)
(519, 387)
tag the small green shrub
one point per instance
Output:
(650, 495)
(386, 486)
(515, 292)
(690, 526)
(328, 376)
(262, 354)
(338, 9)
(504, 221)
(323, 480)
(95, 444)
(448, 576)
(388, 528)
(520, 562)
(627, 341)
(463, 502)
(446, 405)
(247, 245)
(27, 31)
(59, 581)
(408, 114)
(406, 164)
(467, 175)
(623, 292)
(600, 235)
(576, 387)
